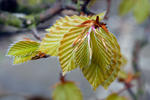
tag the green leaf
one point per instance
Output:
(126, 6)
(22, 59)
(105, 63)
(142, 10)
(51, 42)
(115, 96)
(83, 53)
(23, 51)
(78, 44)
(23, 48)
(67, 91)
(67, 50)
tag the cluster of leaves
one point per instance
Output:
(140, 8)
(78, 41)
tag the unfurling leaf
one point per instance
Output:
(85, 42)
(23, 51)
(115, 96)
(67, 91)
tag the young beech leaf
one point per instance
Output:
(22, 59)
(67, 91)
(51, 41)
(115, 96)
(83, 54)
(23, 48)
(67, 49)
(85, 43)
(104, 65)
(23, 51)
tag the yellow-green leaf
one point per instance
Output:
(105, 63)
(67, 50)
(79, 43)
(115, 96)
(141, 10)
(23, 48)
(67, 91)
(126, 6)
(83, 53)
(23, 51)
(51, 41)
(22, 59)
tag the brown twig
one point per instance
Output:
(56, 9)
(62, 78)
(132, 94)
(108, 9)
(137, 47)
(35, 34)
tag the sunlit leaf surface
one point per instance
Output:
(105, 62)
(84, 42)
(23, 51)
(51, 41)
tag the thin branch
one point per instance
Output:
(108, 9)
(132, 94)
(35, 34)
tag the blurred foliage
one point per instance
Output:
(140, 8)
(115, 96)
(9, 19)
(34, 2)
(67, 91)
(91, 3)
(33, 6)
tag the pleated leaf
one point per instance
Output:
(51, 41)
(78, 44)
(23, 51)
(83, 53)
(67, 91)
(22, 59)
(23, 48)
(105, 63)
(67, 50)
